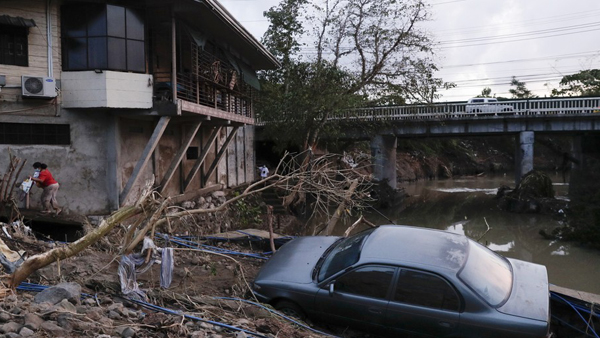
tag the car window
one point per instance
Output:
(477, 101)
(492, 100)
(425, 289)
(487, 273)
(346, 253)
(373, 281)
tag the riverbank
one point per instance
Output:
(441, 159)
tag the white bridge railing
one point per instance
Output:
(439, 111)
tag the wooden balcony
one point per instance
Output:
(210, 85)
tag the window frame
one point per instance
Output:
(392, 298)
(17, 36)
(35, 134)
(101, 38)
(390, 287)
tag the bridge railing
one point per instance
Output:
(555, 106)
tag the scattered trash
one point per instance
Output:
(138, 263)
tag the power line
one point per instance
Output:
(561, 56)
(522, 34)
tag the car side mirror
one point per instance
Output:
(331, 288)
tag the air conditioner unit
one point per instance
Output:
(35, 86)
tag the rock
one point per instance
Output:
(67, 306)
(26, 332)
(241, 335)
(206, 326)
(188, 204)
(218, 194)
(52, 328)
(128, 332)
(10, 327)
(114, 315)
(198, 334)
(95, 314)
(103, 336)
(63, 321)
(54, 294)
(85, 326)
(89, 302)
(4, 317)
(32, 321)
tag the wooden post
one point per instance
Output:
(270, 221)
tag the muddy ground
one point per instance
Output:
(198, 280)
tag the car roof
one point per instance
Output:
(416, 246)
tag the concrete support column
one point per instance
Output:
(524, 155)
(577, 177)
(576, 152)
(383, 152)
(113, 153)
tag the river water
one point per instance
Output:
(467, 206)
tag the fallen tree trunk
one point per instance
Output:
(39, 261)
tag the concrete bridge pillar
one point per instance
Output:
(383, 152)
(524, 155)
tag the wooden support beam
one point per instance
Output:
(200, 160)
(219, 156)
(179, 156)
(173, 56)
(146, 154)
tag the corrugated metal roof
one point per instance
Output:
(16, 21)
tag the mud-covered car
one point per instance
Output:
(399, 280)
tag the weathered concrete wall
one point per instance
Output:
(80, 168)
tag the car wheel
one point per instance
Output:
(290, 309)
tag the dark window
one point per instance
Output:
(35, 133)
(13, 46)
(99, 36)
(342, 255)
(191, 153)
(424, 289)
(371, 282)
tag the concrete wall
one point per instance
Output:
(80, 168)
(108, 89)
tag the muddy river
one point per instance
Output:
(467, 206)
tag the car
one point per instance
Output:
(486, 106)
(406, 281)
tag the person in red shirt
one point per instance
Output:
(50, 186)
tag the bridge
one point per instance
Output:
(524, 118)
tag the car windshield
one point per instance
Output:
(345, 253)
(487, 273)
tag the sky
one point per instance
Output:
(484, 43)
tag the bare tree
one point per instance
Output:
(323, 178)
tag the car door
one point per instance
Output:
(423, 304)
(358, 297)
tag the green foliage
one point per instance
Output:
(485, 92)
(360, 53)
(247, 214)
(584, 83)
(520, 91)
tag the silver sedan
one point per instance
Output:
(400, 280)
